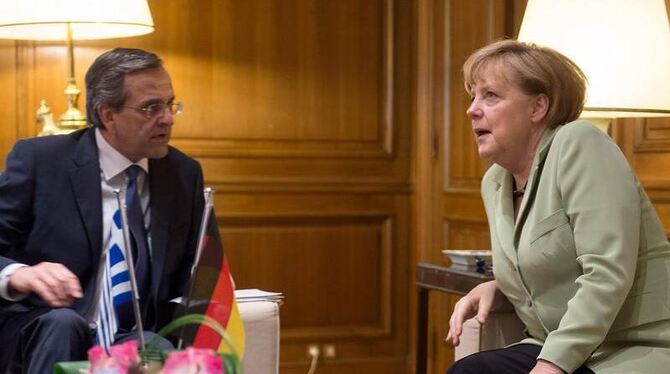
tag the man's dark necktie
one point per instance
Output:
(140, 248)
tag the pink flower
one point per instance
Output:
(193, 360)
(123, 358)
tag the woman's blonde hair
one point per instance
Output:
(536, 70)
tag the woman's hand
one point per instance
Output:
(477, 302)
(546, 367)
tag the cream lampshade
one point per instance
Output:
(73, 20)
(622, 46)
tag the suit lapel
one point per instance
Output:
(533, 182)
(504, 214)
(161, 183)
(85, 179)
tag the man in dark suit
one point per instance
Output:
(56, 208)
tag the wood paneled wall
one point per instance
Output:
(335, 134)
(10, 99)
(297, 111)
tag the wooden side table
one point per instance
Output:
(455, 280)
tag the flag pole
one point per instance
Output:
(131, 269)
(206, 213)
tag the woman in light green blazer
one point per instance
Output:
(578, 249)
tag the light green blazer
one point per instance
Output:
(587, 258)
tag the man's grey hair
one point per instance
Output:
(105, 78)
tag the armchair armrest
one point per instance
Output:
(261, 326)
(501, 329)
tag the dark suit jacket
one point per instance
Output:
(51, 210)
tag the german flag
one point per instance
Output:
(212, 292)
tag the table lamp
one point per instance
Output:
(57, 20)
(622, 46)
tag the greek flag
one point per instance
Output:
(115, 287)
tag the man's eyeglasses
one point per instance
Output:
(158, 109)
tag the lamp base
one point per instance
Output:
(72, 120)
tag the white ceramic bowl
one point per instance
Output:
(467, 257)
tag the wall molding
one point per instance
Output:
(383, 224)
(651, 135)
